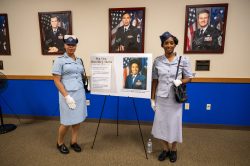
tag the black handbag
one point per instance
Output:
(85, 80)
(180, 91)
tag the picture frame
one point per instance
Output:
(205, 28)
(53, 27)
(4, 35)
(126, 30)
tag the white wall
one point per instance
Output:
(90, 24)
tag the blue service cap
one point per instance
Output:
(167, 35)
(70, 39)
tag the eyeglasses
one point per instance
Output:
(68, 36)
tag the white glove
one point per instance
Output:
(70, 101)
(177, 82)
(153, 104)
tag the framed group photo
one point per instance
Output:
(53, 27)
(205, 28)
(126, 30)
(4, 35)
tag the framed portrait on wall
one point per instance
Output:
(4, 35)
(205, 28)
(126, 30)
(53, 27)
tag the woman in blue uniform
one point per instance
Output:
(167, 126)
(67, 70)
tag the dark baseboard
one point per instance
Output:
(132, 122)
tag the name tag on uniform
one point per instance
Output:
(208, 38)
(60, 36)
(138, 83)
(130, 36)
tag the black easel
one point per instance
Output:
(117, 123)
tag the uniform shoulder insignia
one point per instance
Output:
(159, 57)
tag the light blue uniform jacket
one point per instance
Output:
(70, 72)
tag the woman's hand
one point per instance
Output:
(70, 101)
(153, 104)
(177, 82)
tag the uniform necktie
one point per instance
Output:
(133, 78)
(201, 33)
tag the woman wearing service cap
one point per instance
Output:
(67, 70)
(167, 126)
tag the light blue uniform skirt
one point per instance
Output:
(167, 124)
(73, 116)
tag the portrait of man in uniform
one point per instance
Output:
(4, 35)
(53, 27)
(205, 28)
(126, 30)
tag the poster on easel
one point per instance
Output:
(127, 75)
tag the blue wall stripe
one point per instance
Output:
(230, 103)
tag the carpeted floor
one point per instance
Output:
(33, 143)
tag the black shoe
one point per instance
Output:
(164, 154)
(63, 148)
(173, 156)
(76, 147)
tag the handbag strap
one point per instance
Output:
(178, 67)
(83, 68)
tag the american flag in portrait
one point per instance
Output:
(2, 23)
(45, 20)
(126, 62)
(3, 30)
(218, 18)
(116, 22)
(191, 27)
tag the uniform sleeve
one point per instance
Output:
(57, 67)
(187, 71)
(154, 71)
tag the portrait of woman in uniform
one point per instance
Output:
(205, 28)
(53, 27)
(4, 35)
(126, 30)
(135, 73)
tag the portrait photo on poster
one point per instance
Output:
(53, 27)
(126, 30)
(135, 73)
(4, 35)
(205, 28)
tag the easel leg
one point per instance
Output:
(117, 115)
(140, 129)
(99, 121)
